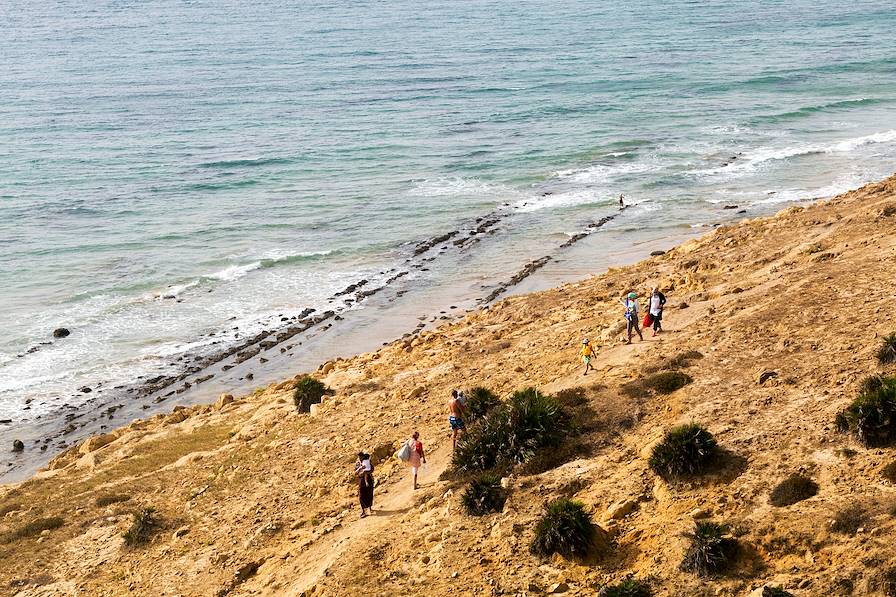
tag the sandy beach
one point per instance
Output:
(253, 498)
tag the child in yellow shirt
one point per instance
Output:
(587, 353)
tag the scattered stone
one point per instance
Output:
(557, 588)
(85, 390)
(96, 442)
(700, 513)
(683, 306)
(181, 532)
(61, 333)
(620, 509)
(766, 375)
(18, 445)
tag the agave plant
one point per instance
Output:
(565, 528)
(685, 450)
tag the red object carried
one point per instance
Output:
(648, 320)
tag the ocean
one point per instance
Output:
(177, 175)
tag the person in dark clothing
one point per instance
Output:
(364, 472)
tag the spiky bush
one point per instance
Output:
(685, 450)
(479, 401)
(484, 495)
(627, 588)
(871, 383)
(565, 528)
(775, 592)
(511, 433)
(308, 391)
(142, 526)
(886, 354)
(793, 489)
(871, 418)
(710, 551)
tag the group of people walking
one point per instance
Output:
(653, 317)
(411, 451)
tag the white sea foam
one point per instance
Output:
(466, 187)
(762, 156)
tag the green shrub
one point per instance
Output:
(872, 383)
(775, 592)
(666, 382)
(35, 527)
(871, 418)
(685, 450)
(479, 401)
(308, 391)
(107, 500)
(565, 528)
(849, 520)
(793, 489)
(142, 526)
(627, 588)
(484, 495)
(711, 551)
(511, 433)
(679, 361)
(886, 354)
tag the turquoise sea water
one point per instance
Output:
(252, 159)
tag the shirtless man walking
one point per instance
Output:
(456, 410)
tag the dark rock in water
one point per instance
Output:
(657, 253)
(61, 332)
(85, 390)
(730, 207)
(250, 376)
(743, 211)
(5, 421)
(18, 445)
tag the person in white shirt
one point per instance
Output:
(657, 301)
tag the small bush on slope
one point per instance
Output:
(142, 527)
(711, 551)
(107, 500)
(627, 588)
(889, 472)
(35, 527)
(479, 401)
(886, 354)
(511, 433)
(565, 528)
(849, 520)
(793, 489)
(484, 495)
(308, 391)
(685, 450)
(871, 418)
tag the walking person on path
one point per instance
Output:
(631, 316)
(587, 354)
(364, 473)
(457, 409)
(417, 455)
(657, 301)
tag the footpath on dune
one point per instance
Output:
(773, 323)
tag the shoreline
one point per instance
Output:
(251, 484)
(261, 360)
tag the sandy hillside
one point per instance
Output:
(255, 499)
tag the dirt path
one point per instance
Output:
(392, 500)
